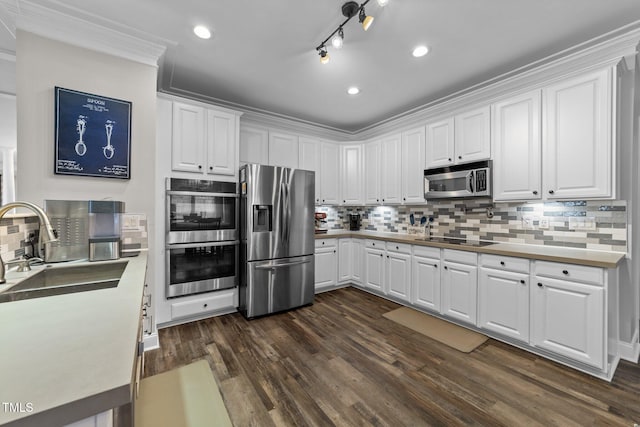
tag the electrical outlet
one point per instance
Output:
(544, 223)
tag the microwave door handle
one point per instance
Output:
(470, 183)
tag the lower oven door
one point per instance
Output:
(277, 285)
(201, 267)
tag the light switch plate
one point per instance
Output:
(544, 223)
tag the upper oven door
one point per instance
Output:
(201, 217)
(448, 185)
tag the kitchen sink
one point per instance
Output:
(65, 280)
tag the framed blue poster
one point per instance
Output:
(93, 135)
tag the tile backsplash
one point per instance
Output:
(598, 225)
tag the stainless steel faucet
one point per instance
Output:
(47, 233)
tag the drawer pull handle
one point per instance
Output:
(502, 263)
(522, 281)
(551, 191)
(565, 272)
(540, 285)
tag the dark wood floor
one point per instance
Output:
(339, 362)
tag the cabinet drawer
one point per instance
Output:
(426, 251)
(323, 243)
(403, 248)
(204, 305)
(461, 257)
(576, 273)
(376, 244)
(518, 265)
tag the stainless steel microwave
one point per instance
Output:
(458, 181)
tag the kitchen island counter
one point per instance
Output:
(540, 252)
(69, 357)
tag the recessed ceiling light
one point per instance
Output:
(420, 51)
(202, 32)
(353, 90)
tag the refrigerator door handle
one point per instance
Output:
(273, 266)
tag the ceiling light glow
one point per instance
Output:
(383, 3)
(420, 51)
(338, 39)
(353, 90)
(202, 32)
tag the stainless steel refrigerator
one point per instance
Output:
(276, 238)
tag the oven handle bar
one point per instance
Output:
(274, 266)
(201, 244)
(202, 194)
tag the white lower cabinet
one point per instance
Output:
(357, 273)
(220, 300)
(459, 285)
(374, 265)
(398, 271)
(568, 317)
(425, 278)
(326, 260)
(345, 260)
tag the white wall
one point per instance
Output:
(8, 142)
(41, 65)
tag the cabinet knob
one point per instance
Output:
(387, 256)
(377, 200)
(404, 199)
(540, 285)
(551, 191)
(449, 158)
(502, 263)
(373, 244)
(322, 200)
(205, 305)
(535, 192)
(398, 247)
(460, 157)
(380, 255)
(565, 272)
(522, 281)
(334, 251)
(210, 168)
(323, 243)
(344, 201)
(383, 200)
(446, 268)
(435, 265)
(199, 166)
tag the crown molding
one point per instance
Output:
(89, 31)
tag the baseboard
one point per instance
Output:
(151, 342)
(630, 351)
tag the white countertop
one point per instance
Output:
(540, 252)
(70, 356)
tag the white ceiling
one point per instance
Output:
(262, 54)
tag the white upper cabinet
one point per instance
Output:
(351, 176)
(473, 135)
(578, 143)
(187, 142)
(372, 173)
(222, 150)
(309, 153)
(283, 150)
(254, 145)
(439, 143)
(461, 139)
(330, 174)
(517, 148)
(204, 140)
(391, 173)
(413, 165)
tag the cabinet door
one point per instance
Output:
(413, 165)
(568, 318)
(345, 260)
(326, 268)
(473, 135)
(357, 257)
(439, 143)
(309, 159)
(578, 145)
(390, 181)
(351, 175)
(283, 150)
(374, 269)
(459, 291)
(425, 283)
(187, 143)
(254, 145)
(372, 173)
(330, 176)
(517, 166)
(398, 275)
(222, 144)
(503, 303)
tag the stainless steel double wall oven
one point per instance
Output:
(202, 237)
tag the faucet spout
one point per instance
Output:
(47, 233)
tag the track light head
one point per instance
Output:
(324, 55)
(365, 20)
(338, 39)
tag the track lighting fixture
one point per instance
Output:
(349, 10)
